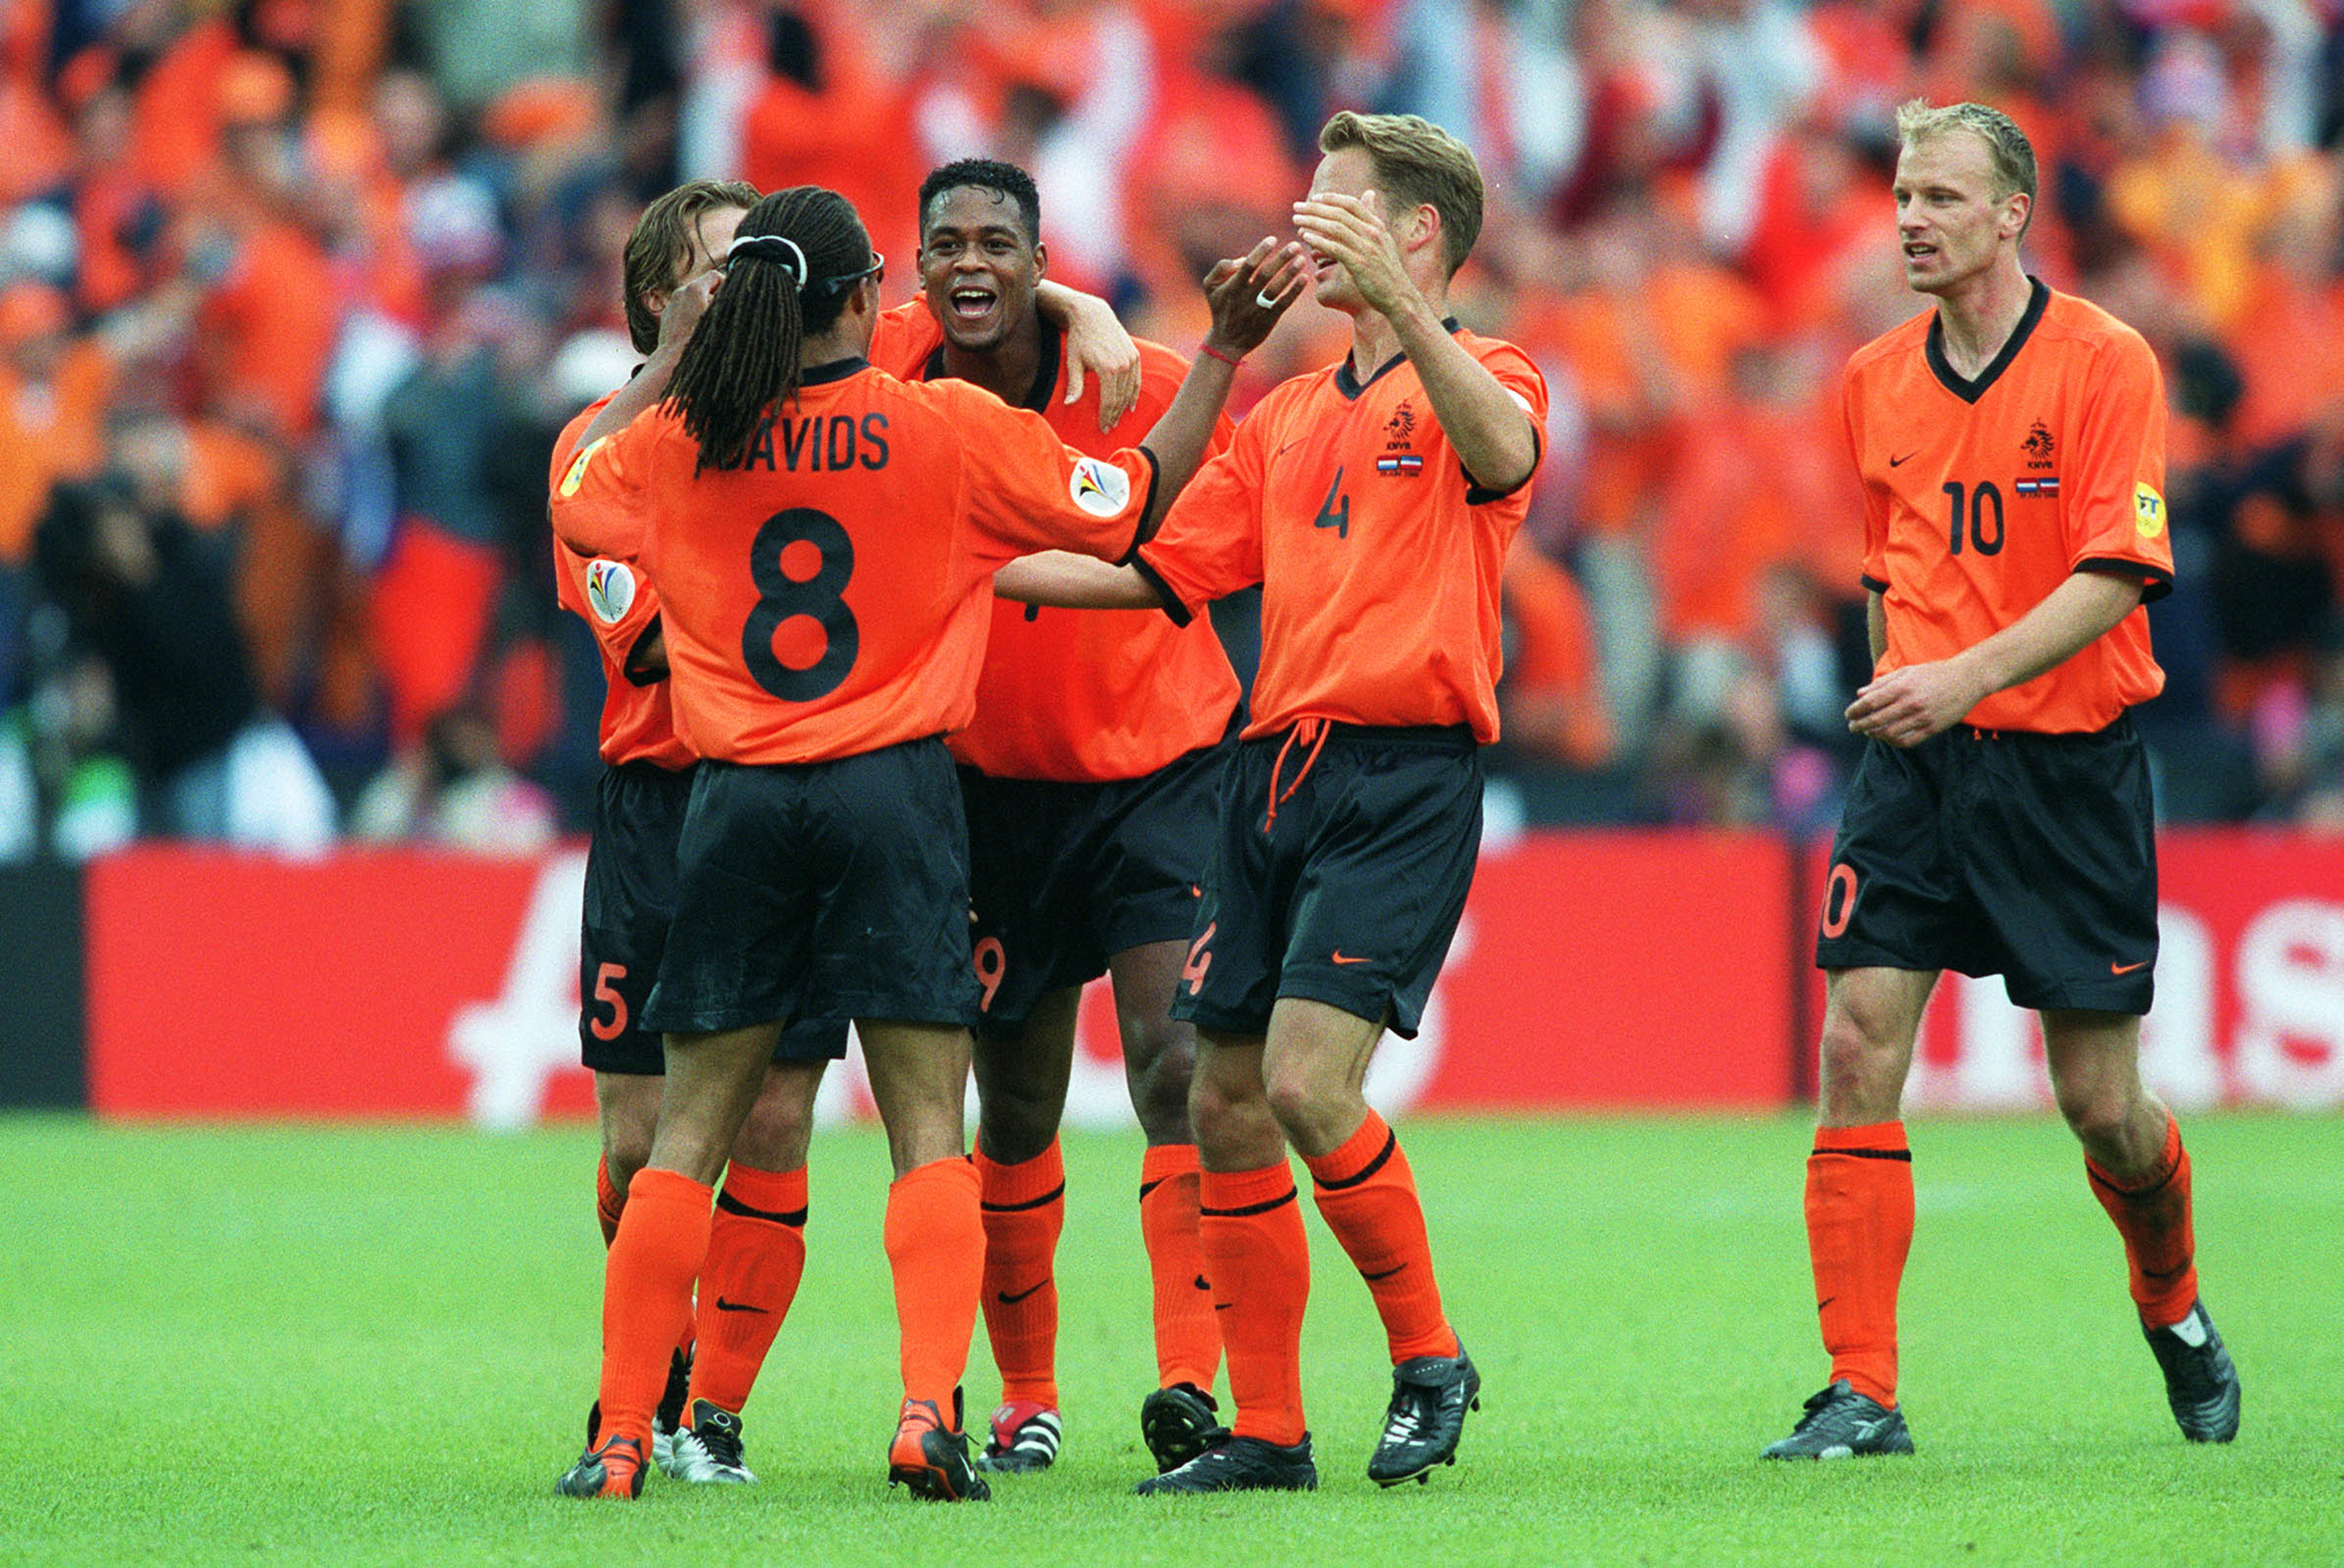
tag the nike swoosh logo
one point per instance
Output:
(1900, 463)
(1827, 1302)
(2127, 968)
(1006, 1299)
(1339, 959)
(1385, 1274)
(725, 1306)
(1223, 1305)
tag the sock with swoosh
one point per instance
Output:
(2152, 1214)
(1024, 1208)
(1368, 1194)
(1859, 1232)
(756, 1254)
(935, 1250)
(1188, 1338)
(647, 1295)
(1259, 1260)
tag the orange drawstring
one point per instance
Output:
(1315, 732)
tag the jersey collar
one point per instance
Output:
(2038, 298)
(836, 370)
(1046, 370)
(1349, 384)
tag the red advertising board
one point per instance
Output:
(1592, 971)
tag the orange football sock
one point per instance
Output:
(1859, 1230)
(608, 1201)
(936, 1249)
(1188, 1339)
(647, 1295)
(1024, 1207)
(756, 1252)
(1367, 1195)
(1258, 1260)
(2153, 1216)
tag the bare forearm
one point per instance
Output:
(1875, 624)
(1489, 429)
(1184, 430)
(1064, 580)
(649, 386)
(2081, 610)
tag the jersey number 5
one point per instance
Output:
(801, 563)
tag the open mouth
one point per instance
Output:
(971, 304)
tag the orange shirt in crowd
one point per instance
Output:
(267, 328)
(49, 432)
(1378, 556)
(1982, 496)
(832, 596)
(1094, 694)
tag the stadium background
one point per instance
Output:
(304, 287)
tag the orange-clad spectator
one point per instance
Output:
(1817, 204)
(2294, 300)
(268, 317)
(828, 116)
(1551, 700)
(177, 102)
(119, 217)
(39, 151)
(53, 391)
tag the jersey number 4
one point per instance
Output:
(801, 563)
(1335, 512)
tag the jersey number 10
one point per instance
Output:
(1980, 541)
(800, 561)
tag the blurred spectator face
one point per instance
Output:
(34, 321)
(978, 265)
(1950, 227)
(103, 128)
(411, 121)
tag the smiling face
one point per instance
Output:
(978, 265)
(1952, 226)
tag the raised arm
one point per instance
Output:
(685, 306)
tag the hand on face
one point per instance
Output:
(685, 306)
(1353, 232)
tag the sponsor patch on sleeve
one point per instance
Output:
(1099, 488)
(610, 588)
(2147, 511)
(577, 474)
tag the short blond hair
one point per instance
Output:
(2010, 156)
(1417, 162)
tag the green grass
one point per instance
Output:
(377, 1345)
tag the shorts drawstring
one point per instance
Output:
(1313, 730)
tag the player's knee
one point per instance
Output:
(779, 1129)
(1854, 1061)
(1159, 1068)
(2099, 1114)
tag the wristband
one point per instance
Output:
(1215, 353)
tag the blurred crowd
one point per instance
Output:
(294, 295)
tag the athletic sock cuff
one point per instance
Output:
(1237, 1192)
(1164, 1161)
(1880, 1137)
(951, 1172)
(1028, 1184)
(779, 1196)
(2169, 1160)
(651, 1184)
(1365, 1151)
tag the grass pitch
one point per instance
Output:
(377, 1346)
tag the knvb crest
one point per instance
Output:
(2040, 446)
(1400, 427)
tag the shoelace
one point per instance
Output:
(1408, 1417)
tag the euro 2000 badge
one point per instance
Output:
(1100, 489)
(2147, 511)
(610, 590)
(577, 474)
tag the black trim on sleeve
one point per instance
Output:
(1141, 531)
(1478, 495)
(1172, 605)
(633, 669)
(1872, 584)
(2156, 583)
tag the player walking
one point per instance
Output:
(2011, 448)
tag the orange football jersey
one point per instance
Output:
(1379, 555)
(830, 597)
(602, 583)
(1982, 496)
(1093, 694)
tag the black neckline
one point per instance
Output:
(1347, 383)
(2037, 301)
(836, 370)
(1045, 369)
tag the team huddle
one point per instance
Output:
(914, 721)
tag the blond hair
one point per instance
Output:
(1416, 163)
(662, 242)
(2010, 156)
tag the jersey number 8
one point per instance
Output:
(801, 561)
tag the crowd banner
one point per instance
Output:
(1617, 970)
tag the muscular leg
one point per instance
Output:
(1251, 1225)
(2132, 1152)
(1159, 1051)
(1021, 1088)
(935, 1240)
(626, 1112)
(756, 1241)
(1021, 1083)
(1859, 1190)
(1160, 1060)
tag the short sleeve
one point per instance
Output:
(2118, 519)
(613, 597)
(1027, 490)
(904, 339)
(1874, 576)
(600, 504)
(1520, 376)
(1211, 544)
